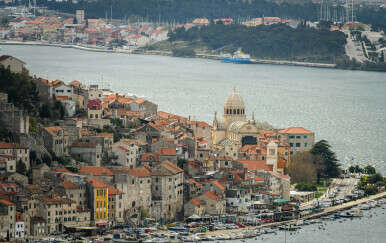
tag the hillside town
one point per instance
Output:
(118, 161)
(364, 43)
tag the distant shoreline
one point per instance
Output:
(206, 56)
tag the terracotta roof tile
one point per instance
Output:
(55, 131)
(113, 190)
(105, 134)
(139, 172)
(96, 183)
(4, 145)
(218, 185)
(195, 202)
(5, 202)
(195, 182)
(167, 151)
(145, 157)
(96, 171)
(171, 167)
(295, 130)
(69, 185)
(255, 165)
(213, 196)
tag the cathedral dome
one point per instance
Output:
(235, 103)
(234, 100)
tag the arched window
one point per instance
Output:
(227, 111)
(234, 111)
(238, 111)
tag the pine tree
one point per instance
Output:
(330, 162)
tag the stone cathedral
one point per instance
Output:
(233, 130)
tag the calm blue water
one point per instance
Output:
(346, 108)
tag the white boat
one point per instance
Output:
(364, 207)
(268, 230)
(315, 221)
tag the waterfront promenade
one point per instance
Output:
(326, 211)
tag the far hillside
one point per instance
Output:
(264, 42)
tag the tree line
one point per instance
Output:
(269, 41)
(183, 10)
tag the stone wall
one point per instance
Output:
(12, 119)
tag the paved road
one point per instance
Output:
(345, 186)
(354, 50)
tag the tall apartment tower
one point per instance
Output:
(79, 16)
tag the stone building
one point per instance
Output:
(115, 207)
(91, 152)
(76, 192)
(7, 219)
(55, 139)
(12, 63)
(148, 108)
(298, 138)
(167, 191)
(38, 226)
(136, 186)
(12, 118)
(17, 151)
(59, 213)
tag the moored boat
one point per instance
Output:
(238, 57)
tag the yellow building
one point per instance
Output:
(98, 202)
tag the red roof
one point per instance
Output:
(75, 82)
(69, 185)
(195, 202)
(4, 145)
(218, 185)
(167, 151)
(138, 172)
(136, 37)
(113, 190)
(96, 183)
(145, 157)
(171, 167)
(294, 130)
(61, 170)
(258, 178)
(213, 196)
(96, 171)
(124, 149)
(8, 203)
(195, 182)
(256, 165)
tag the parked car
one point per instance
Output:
(147, 230)
(55, 233)
(269, 220)
(220, 228)
(240, 225)
(229, 221)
